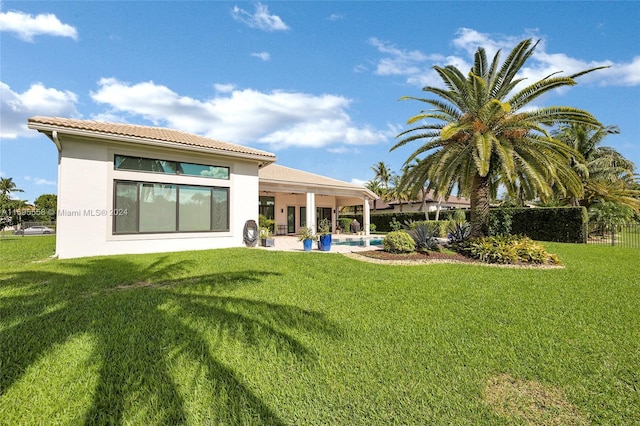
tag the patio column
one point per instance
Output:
(366, 216)
(311, 210)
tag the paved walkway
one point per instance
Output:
(291, 243)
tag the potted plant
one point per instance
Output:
(324, 232)
(307, 236)
(265, 241)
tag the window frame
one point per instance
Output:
(176, 173)
(139, 184)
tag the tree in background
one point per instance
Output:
(8, 206)
(47, 206)
(480, 133)
(376, 187)
(382, 174)
(607, 176)
(8, 186)
(397, 191)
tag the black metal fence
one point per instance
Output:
(625, 235)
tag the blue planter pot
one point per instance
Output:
(324, 243)
(307, 244)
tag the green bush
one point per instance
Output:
(559, 224)
(372, 227)
(263, 222)
(458, 231)
(395, 225)
(500, 222)
(345, 223)
(398, 242)
(424, 235)
(506, 250)
(439, 228)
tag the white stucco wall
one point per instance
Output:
(85, 200)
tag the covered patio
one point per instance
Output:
(295, 199)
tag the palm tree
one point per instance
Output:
(7, 186)
(7, 205)
(607, 176)
(479, 134)
(375, 187)
(397, 191)
(382, 173)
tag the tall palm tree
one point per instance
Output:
(7, 186)
(397, 191)
(375, 187)
(481, 133)
(607, 176)
(382, 173)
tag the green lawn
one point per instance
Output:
(245, 336)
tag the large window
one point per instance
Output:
(142, 207)
(124, 162)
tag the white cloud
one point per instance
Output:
(27, 26)
(360, 182)
(224, 88)
(260, 19)
(264, 56)
(335, 17)
(40, 181)
(417, 66)
(16, 108)
(280, 119)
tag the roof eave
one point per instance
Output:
(48, 129)
(318, 187)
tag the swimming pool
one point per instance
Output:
(358, 242)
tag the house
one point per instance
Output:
(126, 189)
(431, 204)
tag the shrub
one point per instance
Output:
(459, 232)
(306, 234)
(440, 228)
(263, 222)
(395, 225)
(345, 223)
(372, 227)
(506, 250)
(324, 227)
(398, 242)
(424, 235)
(500, 221)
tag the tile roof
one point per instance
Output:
(159, 134)
(275, 173)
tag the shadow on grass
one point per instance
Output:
(145, 320)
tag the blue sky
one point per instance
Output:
(317, 83)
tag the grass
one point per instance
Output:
(240, 336)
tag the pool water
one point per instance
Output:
(360, 243)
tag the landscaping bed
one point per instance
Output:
(416, 256)
(421, 258)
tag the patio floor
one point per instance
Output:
(291, 243)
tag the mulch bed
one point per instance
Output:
(415, 256)
(421, 258)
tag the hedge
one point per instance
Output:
(382, 221)
(559, 224)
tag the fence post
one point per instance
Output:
(613, 235)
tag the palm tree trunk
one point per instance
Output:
(479, 205)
